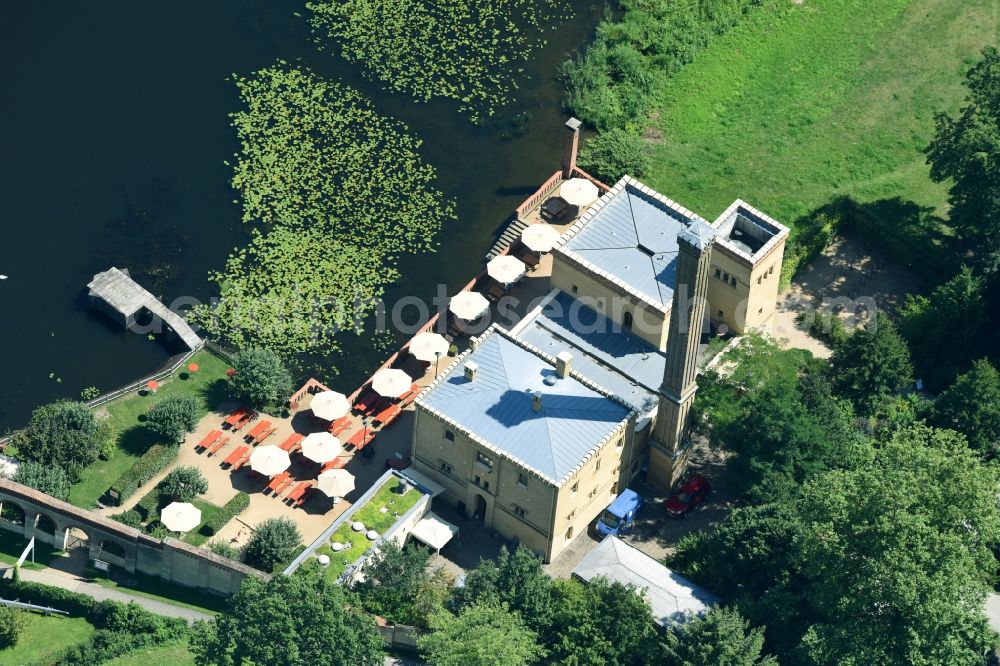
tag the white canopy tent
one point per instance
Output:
(540, 238)
(428, 346)
(506, 269)
(269, 460)
(579, 192)
(434, 531)
(330, 405)
(391, 382)
(180, 517)
(321, 447)
(468, 305)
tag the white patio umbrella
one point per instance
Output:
(428, 346)
(180, 517)
(468, 305)
(330, 405)
(505, 269)
(321, 447)
(391, 382)
(540, 237)
(269, 460)
(335, 482)
(579, 192)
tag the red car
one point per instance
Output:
(688, 496)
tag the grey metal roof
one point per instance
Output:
(497, 407)
(630, 236)
(611, 356)
(673, 598)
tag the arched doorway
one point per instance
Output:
(45, 529)
(11, 516)
(480, 508)
(112, 552)
(627, 321)
(75, 538)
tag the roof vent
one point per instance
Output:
(564, 363)
(471, 369)
(536, 400)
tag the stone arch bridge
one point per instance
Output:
(32, 513)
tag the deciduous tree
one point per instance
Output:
(873, 365)
(64, 433)
(183, 484)
(398, 586)
(273, 542)
(50, 479)
(482, 634)
(721, 638)
(261, 380)
(173, 417)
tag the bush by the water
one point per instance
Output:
(63, 433)
(154, 461)
(613, 154)
(173, 417)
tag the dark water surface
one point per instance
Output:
(115, 129)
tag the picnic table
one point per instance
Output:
(292, 442)
(336, 463)
(277, 481)
(283, 485)
(236, 454)
(244, 459)
(245, 419)
(388, 415)
(340, 425)
(209, 439)
(264, 435)
(298, 494)
(236, 416)
(217, 446)
(409, 396)
(258, 429)
(365, 402)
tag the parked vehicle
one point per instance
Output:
(620, 515)
(688, 496)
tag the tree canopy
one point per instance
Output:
(482, 634)
(173, 417)
(721, 638)
(966, 151)
(261, 380)
(273, 542)
(259, 627)
(971, 406)
(872, 365)
(183, 484)
(64, 433)
(398, 586)
(50, 479)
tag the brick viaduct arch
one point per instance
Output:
(35, 514)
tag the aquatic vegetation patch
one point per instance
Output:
(336, 194)
(471, 51)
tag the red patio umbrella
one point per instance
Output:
(152, 385)
(193, 367)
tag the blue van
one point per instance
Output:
(618, 518)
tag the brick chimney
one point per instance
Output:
(570, 147)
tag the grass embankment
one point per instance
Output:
(208, 386)
(800, 105)
(12, 545)
(174, 654)
(45, 636)
(374, 518)
(141, 585)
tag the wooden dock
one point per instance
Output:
(118, 295)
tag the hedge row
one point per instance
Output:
(143, 470)
(74, 603)
(229, 510)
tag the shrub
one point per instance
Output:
(173, 417)
(121, 629)
(149, 506)
(223, 549)
(11, 624)
(50, 479)
(825, 326)
(261, 379)
(183, 484)
(63, 433)
(273, 543)
(132, 518)
(142, 471)
(73, 603)
(613, 154)
(232, 508)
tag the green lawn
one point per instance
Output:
(171, 654)
(45, 636)
(802, 104)
(374, 519)
(208, 385)
(195, 537)
(12, 545)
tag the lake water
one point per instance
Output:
(115, 132)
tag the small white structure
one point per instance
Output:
(673, 598)
(434, 531)
(180, 517)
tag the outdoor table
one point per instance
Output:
(217, 446)
(209, 439)
(340, 425)
(258, 429)
(386, 416)
(235, 455)
(236, 416)
(264, 435)
(292, 441)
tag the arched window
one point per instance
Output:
(627, 321)
(112, 548)
(12, 513)
(45, 524)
